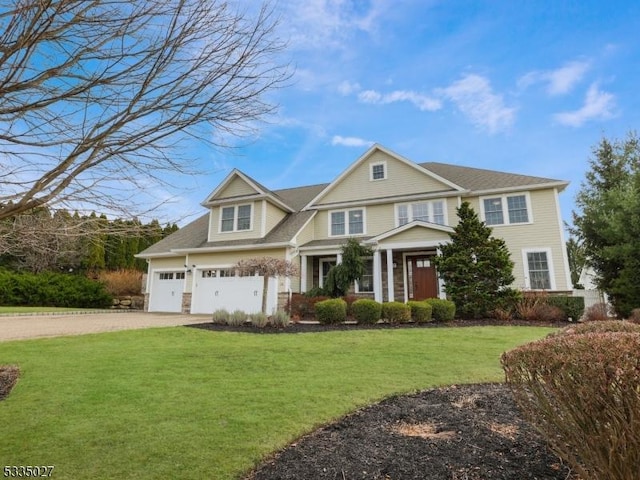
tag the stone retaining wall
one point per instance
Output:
(128, 303)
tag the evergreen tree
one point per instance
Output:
(608, 220)
(476, 267)
(341, 276)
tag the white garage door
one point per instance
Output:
(217, 289)
(166, 292)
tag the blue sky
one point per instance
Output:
(520, 86)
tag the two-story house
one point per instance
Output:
(403, 210)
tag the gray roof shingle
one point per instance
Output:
(195, 234)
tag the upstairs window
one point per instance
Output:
(378, 171)
(432, 212)
(235, 218)
(506, 210)
(346, 222)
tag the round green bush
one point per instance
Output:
(420, 311)
(396, 312)
(442, 310)
(331, 311)
(366, 311)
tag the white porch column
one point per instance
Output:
(303, 273)
(377, 277)
(390, 292)
(338, 258)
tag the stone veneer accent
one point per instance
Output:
(186, 303)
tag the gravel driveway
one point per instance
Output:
(22, 327)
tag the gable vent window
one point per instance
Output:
(378, 171)
(235, 218)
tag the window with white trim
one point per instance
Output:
(432, 211)
(235, 218)
(506, 210)
(539, 272)
(378, 171)
(346, 222)
(365, 284)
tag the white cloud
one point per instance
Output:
(597, 105)
(322, 24)
(350, 141)
(559, 81)
(475, 98)
(347, 88)
(421, 101)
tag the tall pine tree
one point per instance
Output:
(476, 267)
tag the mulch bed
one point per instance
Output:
(470, 432)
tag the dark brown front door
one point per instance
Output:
(423, 278)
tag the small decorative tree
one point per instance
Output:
(341, 277)
(476, 267)
(267, 267)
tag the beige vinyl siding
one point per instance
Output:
(401, 178)
(236, 187)
(214, 224)
(273, 217)
(416, 234)
(170, 263)
(380, 219)
(543, 233)
(307, 234)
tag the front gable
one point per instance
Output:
(414, 233)
(380, 173)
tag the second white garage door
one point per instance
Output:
(216, 289)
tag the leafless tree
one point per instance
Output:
(267, 267)
(98, 97)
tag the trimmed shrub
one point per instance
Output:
(366, 311)
(237, 318)
(572, 307)
(221, 316)
(597, 312)
(50, 289)
(420, 311)
(302, 304)
(331, 311)
(280, 319)
(582, 392)
(598, 327)
(259, 319)
(350, 299)
(396, 312)
(442, 310)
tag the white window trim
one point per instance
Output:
(525, 264)
(373, 275)
(430, 208)
(235, 218)
(505, 208)
(374, 164)
(347, 233)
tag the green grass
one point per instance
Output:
(11, 309)
(191, 404)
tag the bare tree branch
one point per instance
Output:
(96, 95)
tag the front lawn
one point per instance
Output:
(187, 403)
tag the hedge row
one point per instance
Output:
(581, 389)
(52, 290)
(367, 311)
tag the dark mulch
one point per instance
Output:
(8, 377)
(470, 432)
(315, 327)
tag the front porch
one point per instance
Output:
(401, 268)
